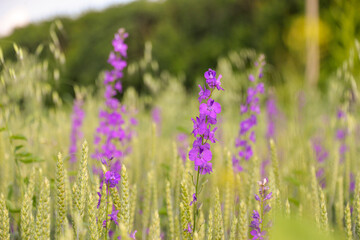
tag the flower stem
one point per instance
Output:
(196, 192)
(107, 206)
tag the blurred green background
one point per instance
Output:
(188, 36)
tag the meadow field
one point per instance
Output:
(235, 157)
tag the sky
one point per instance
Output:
(16, 13)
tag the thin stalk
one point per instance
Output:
(107, 209)
(196, 192)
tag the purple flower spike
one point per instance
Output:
(76, 133)
(257, 224)
(251, 107)
(203, 130)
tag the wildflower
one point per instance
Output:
(182, 145)
(113, 216)
(132, 235)
(203, 132)
(114, 125)
(211, 108)
(200, 153)
(189, 228)
(257, 217)
(251, 107)
(204, 93)
(112, 178)
(194, 199)
(76, 133)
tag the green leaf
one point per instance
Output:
(23, 155)
(18, 137)
(18, 147)
(30, 160)
(2, 129)
(12, 208)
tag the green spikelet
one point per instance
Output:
(92, 213)
(287, 208)
(348, 222)
(60, 196)
(323, 216)
(228, 194)
(123, 232)
(69, 233)
(210, 226)
(82, 179)
(196, 236)
(243, 221)
(170, 211)
(31, 185)
(42, 228)
(133, 194)
(116, 201)
(102, 213)
(218, 220)
(27, 219)
(347, 177)
(315, 196)
(185, 209)
(38, 183)
(4, 220)
(69, 195)
(357, 206)
(201, 226)
(233, 229)
(177, 226)
(179, 171)
(80, 232)
(334, 177)
(147, 202)
(124, 200)
(154, 232)
(275, 164)
(339, 205)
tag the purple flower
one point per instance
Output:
(118, 42)
(340, 134)
(251, 78)
(182, 145)
(199, 126)
(257, 234)
(76, 133)
(112, 178)
(257, 218)
(99, 194)
(204, 131)
(194, 199)
(113, 216)
(114, 133)
(132, 235)
(250, 106)
(189, 228)
(201, 159)
(340, 114)
(211, 108)
(211, 79)
(204, 93)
